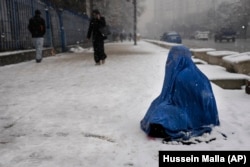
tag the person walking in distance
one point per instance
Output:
(37, 29)
(96, 23)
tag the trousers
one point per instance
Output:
(38, 44)
(99, 53)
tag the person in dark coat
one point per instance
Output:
(186, 106)
(96, 23)
(37, 29)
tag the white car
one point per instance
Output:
(202, 35)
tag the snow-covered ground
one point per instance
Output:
(67, 112)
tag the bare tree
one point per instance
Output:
(118, 13)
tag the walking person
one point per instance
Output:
(37, 29)
(96, 23)
(130, 36)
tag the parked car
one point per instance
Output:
(225, 34)
(171, 37)
(201, 35)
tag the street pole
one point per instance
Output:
(135, 21)
(91, 4)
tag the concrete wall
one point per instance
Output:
(17, 57)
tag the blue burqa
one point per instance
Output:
(186, 106)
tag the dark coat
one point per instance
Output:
(37, 26)
(94, 28)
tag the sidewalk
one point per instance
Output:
(67, 112)
(13, 57)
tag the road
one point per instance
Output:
(240, 45)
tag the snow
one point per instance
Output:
(14, 52)
(67, 112)
(221, 53)
(163, 43)
(201, 49)
(217, 72)
(77, 49)
(237, 58)
(198, 61)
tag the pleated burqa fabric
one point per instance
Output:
(186, 106)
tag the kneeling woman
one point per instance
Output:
(186, 106)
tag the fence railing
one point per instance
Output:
(63, 27)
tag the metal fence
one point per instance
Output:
(63, 27)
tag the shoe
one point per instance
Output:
(38, 60)
(103, 61)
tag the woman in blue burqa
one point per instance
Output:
(186, 106)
